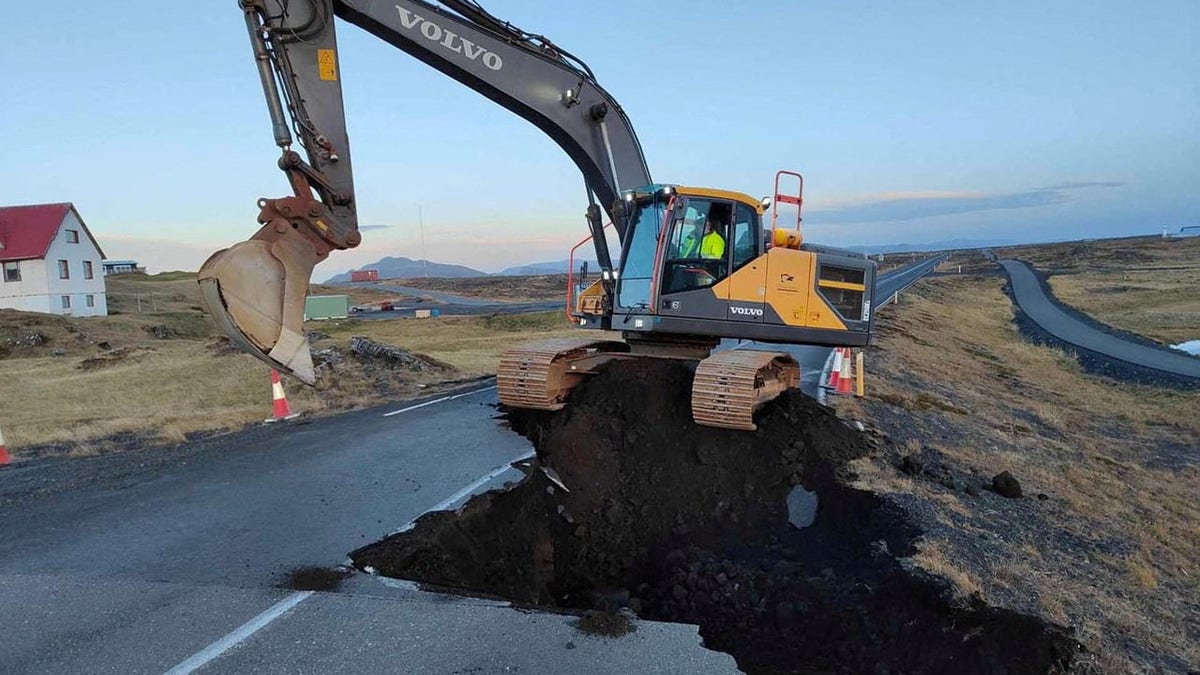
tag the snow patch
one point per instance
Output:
(1191, 346)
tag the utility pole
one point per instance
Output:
(421, 224)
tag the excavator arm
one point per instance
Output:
(256, 289)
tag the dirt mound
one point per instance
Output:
(633, 505)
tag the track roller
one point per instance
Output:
(540, 375)
(730, 385)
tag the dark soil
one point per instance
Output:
(686, 523)
(314, 578)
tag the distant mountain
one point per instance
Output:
(933, 246)
(407, 268)
(552, 267)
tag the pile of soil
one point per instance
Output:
(631, 504)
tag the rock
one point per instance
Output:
(879, 549)
(1042, 496)
(58, 352)
(613, 514)
(785, 613)
(1006, 485)
(972, 489)
(911, 465)
(104, 345)
(160, 331)
(570, 644)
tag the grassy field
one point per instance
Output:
(516, 289)
(1113, 549)
(1148, 286)
(75, 385)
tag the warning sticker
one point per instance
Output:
(327, 64)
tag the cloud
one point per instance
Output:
(916, 205)
(1084, 184)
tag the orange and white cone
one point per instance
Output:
(835, 372)
(845, 379)
(4, 458)
(281, 409)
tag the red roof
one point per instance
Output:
(27, 231)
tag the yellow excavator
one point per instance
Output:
(696, 265)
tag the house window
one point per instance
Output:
(12, 271)
(72, 236)
(64, 270)
(66, 302)
(91, 301)
(87, 269)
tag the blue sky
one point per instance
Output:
(912, 122)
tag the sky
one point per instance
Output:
(911, 121)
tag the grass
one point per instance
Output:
(1118, 463)
(1149, 286)
(501, 288)
(89, 383)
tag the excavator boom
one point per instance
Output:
(256, 289)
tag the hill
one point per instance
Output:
(543, 268)
(402, 268)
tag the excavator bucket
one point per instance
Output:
(256, 290)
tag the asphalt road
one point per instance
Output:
(131, 564)
(1041, 310)
(449, 303)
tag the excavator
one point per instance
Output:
(696, 266)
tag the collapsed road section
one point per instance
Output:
(631, 506)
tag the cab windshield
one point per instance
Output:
(641, 242)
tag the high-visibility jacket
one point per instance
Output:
(712, 246)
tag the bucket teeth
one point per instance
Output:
(731, 385)
(540, 375)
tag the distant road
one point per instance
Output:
(449, 303)
(1040, 309)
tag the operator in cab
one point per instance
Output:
(711, 245)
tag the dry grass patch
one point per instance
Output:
(1117, 540)
(84, 386)
(500, 288)
(1148, 286)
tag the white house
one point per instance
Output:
(49, 261)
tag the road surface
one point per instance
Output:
(174, 558)
(1032, 299)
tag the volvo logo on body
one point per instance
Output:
(745, 311)
(450, 40)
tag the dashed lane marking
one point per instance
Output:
(454, 498)
(438, 400)
(206, 655)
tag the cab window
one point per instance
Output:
(697, 251)
(745, 236)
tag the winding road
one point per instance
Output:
(1032, 299)
(177, 559)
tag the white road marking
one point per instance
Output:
(204, 656)
(454, 498)
(438, 400)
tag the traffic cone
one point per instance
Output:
(844, 381)
(4, 458)
(282, 411)
(835, 372)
